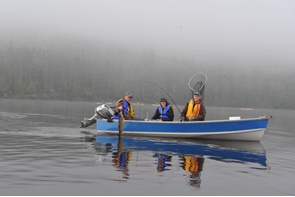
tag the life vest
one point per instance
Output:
(191, 164)
(162, 159)
(192, 110)
(164, 113)
(127, 107)
(124, 159)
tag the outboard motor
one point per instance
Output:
(104, 111)
(101, 112)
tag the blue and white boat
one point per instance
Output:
(251, 129)
(235, 128)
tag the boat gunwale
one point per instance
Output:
(190, 122)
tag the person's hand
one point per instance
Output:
(118, 108)
(191, 118)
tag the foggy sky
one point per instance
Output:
(208, 30)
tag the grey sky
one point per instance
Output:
(260, 30)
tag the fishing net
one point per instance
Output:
(197, 84)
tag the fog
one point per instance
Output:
(95, 49)
(210, 31)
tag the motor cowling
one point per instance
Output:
(101, 112)
(104, 112)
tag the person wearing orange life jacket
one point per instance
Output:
(194, 110)
(164, 112)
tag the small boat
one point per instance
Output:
(251, 129)
(234, 128)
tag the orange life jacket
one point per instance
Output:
(192, 110)
(191, 164)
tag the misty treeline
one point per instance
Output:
(104, 73)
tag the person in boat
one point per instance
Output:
(164, 112)
(195, 109)
(123, 105)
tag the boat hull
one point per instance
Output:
(244, 129)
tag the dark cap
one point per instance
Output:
(163, 100)
(198, 93)
(129, 94)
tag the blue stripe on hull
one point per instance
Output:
(188, 127)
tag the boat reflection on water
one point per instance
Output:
(190, 154)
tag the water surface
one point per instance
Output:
(44, 152)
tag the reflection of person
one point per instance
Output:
(123, 105)
(194, 165)
(121, 159)
(194, 110)
(121, 162)
(162, 161)
(164, 112)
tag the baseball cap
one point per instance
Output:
(198, 93)
(129, 94)
(163, 100)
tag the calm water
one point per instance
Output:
(44, 152)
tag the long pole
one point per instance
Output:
(165, 93)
